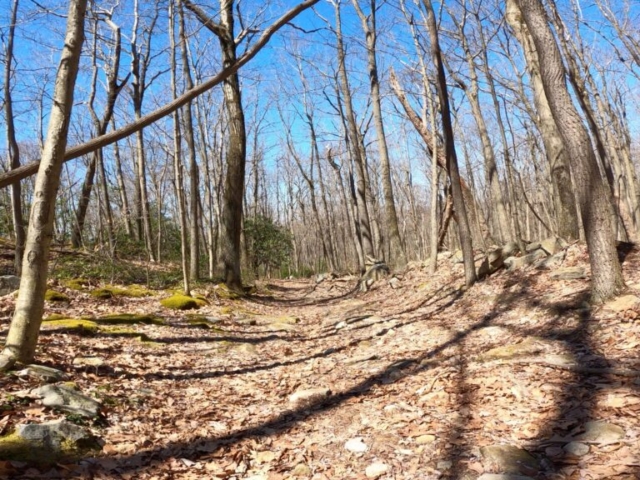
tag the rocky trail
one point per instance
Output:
(517, 377)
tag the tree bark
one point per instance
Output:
(23, 332)
(593, 197)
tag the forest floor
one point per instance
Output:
(414, 382)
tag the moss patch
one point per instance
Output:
(71, 324)
(110, 291)
(126, 333)
(223, 291)
(129, 319)
(53, 296)
(182, 302)
(77, 284)
(54, 316)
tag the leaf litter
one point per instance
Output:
(412, 382)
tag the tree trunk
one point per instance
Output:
(563, 197)
(23, 332)
(12, 146)
(593, 197)
(464, 230)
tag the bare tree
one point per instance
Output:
(23, 332)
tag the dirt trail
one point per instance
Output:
(421, 379)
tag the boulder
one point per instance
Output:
(510, 249)
(514, 263)
(47, 443)
(568, 273)
(554, 261)
(532, 247)
(9, 284)
(551, 245)
(623, 303)
(457, 257)
(67, 398)
(602, 433)
(491, 263)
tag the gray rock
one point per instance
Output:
(457, 257)
(67, 398)
(376, 470)
(47, 374)
(568, 273)
(56, 435)
(509, 459)
(602, 433)
(394, 283)
(88, 361)
(576, 449)
(514, 263)
(491, 263)
(510, 249)
(551, 245)
(532, 247)
(304, 397)
(554, 261)
(9, 284)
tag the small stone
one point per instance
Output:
(265, 456)
(67, 398)
(340, 325)
(424, 439)
(88, 361)
(620, 304)
(509, 459)
(309, 396)
(576, 449)
(356, 445)
(376, 469)
(602, 433)
(47, 374)
(301, 470)
(444, 465)
(394, 283)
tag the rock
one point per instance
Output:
(576, 449)
(457, 257)
(491, 263)
(514, 263)
(553, 261)
(376, 469)
(532, 247)
(9, 284)
(502, 476)
(620, 304)
(88, 361)
(505, 352)
(305, 397)
(568, 273)
(509, 459)
(394, 283)
(602, 433)
(247, 348)
(65, 397)
(301, 470)
(424, 439)
(47, 374)
(356, 445)
(551, 245)
(510, 249)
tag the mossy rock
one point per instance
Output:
(54, 316)
(71, 324)
(110, 291)
(198, 321)
(53, 296)
(125, 333)
(129, 319)
(15, 448)
(77, 284)
(223, 291)
(182, 302)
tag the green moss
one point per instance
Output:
(54, 316)
(71, 324)
(129, 319)
(77, 284)
(110, 291)
(53, 296)
(182, 302)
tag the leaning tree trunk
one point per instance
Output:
(23, 333)
(464, 230)
(593, 197)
